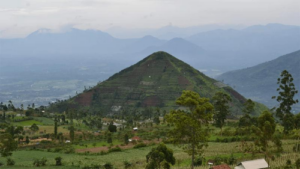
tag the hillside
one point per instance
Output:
(155, 81)
(260, 82)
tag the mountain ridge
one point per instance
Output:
(155, 81)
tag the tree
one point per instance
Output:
(188, 130)
(112, 127)
(109, 137)
(55, 126)
(34, 127)
(246, 120)
(72, 133)
(220, 102)
(27, 140)
(160, 156)
(286, 99)
(126, 139)
(249, 107)
(265, 132)
(7, 144)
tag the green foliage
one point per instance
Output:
(10, 162)
(108, 166)
(220, 102)
(297, 163)
(34, 127)
(139, 145)
(189, 126)
(7, 144)
(161, 156)
(127, 164)
(40, 162)
(112, 128)
(126, 139)
(286, 91)
(72, 133)
(248, 107)
(58, 161)
(265, 132)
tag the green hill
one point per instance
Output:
(156, 81)
(260, 82)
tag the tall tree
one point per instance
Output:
(189, 125)
(220, 102)
(286, 91)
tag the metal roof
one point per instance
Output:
(254, 164)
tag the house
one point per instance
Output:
(135, 129)
(223, 166)
(253, 164)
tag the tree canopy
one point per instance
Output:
(189, 125)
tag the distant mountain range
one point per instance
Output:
(94, 55)
(156, 81)
(260, 82)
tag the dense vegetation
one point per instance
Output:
(259, 82)
(155, 81)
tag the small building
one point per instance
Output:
(223, 166)
(135, 129)
(253, 164)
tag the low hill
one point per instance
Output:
(260, 82)
(155, 81)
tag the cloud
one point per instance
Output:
(102, 14)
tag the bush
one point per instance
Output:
(58, 161)
(10, 162)
(115, 149)
(140, 145)
(198, 161)
(108, 166)
(41, 162)
(127, 164)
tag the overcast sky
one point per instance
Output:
(21, 17)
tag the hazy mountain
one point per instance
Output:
(255, 44)
(260, 82)
(71, 42)
(155, 81)
(142, 43)
(167, 32)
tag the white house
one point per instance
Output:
(253, 164)
(135, 129)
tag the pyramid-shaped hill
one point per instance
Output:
(156, 81)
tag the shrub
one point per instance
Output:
(58, 161)
(10, 162)
(108, 166)
(198, 161)
(40, 162)
(140, 145)
(127, 164)
(115, 149)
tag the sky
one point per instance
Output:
(18, 18)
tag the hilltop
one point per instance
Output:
(260, 82)
(155, 81)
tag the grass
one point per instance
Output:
(44, 120)
(24, 159)
(98, 144)
(27, 123)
